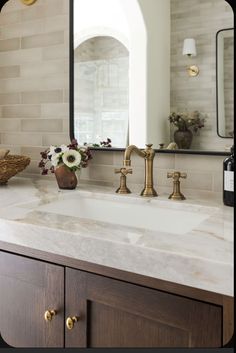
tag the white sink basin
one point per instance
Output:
(132, 213)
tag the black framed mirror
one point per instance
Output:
(225, 82)
(209, 132)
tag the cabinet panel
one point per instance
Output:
(118, 314)
(27, 289)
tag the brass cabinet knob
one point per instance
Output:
(49, 314)
(70, 322)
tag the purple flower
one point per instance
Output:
(41, 164)
(44, 171)
(44, 154)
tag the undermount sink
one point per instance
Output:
(126, 212)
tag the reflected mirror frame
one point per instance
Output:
(71, 98)
(2, 4)
(217, 83)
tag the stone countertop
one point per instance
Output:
(201, 258)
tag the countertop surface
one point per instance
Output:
(201, 257)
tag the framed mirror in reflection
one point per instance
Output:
(225, 82)
(134, 63)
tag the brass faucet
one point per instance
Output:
(148, 154)
(176, 194)
(123, 187)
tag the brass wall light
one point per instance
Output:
(189, 49)
(28, 2)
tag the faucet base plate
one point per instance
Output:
(149, 192)
(123, 191)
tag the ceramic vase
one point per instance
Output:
(183, 138)
(66, 179)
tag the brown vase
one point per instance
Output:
(183, 138)
(66, 179)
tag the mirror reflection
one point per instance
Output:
(225, 82)
(139, 62)
(101, 103)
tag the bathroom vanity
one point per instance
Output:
(76, 270)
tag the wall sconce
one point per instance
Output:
(189, 49)
(28, 2)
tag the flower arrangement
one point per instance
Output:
(184, 121)
(72, 156)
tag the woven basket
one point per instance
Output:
(12, 165)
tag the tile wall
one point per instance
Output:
(34, 76)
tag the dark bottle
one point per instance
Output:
(228, 191)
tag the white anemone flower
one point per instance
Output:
(51, 151)
(56, 151)
(64, 148)
(55, 159)
(71, 158)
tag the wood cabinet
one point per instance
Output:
(118, 314)
(29, 288)
(109, 312)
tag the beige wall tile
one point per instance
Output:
(58, 23)
(19, 84)
(55, 52)
(55, 111)
(21, 111)
(55, 139)
(195, 162)
(38, 97)
(22, 29)
(99, 173)
(10, 17)
(20, 139)
(198, 181)
(54, 7)
(102, 158)
(10, 125)
(218, 181)
(164, 161)
(44, 69)
(9, 98)
(32, 168)
(32, 13)
(118, 159)
(66, 96)
(32, 152)
(9, 44)
(39, 125)
(42, 40)
(21, 57)
(66, 126)
(9, 71)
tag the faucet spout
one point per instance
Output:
(129, 150)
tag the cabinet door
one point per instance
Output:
(28, 288)
(113, 313)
